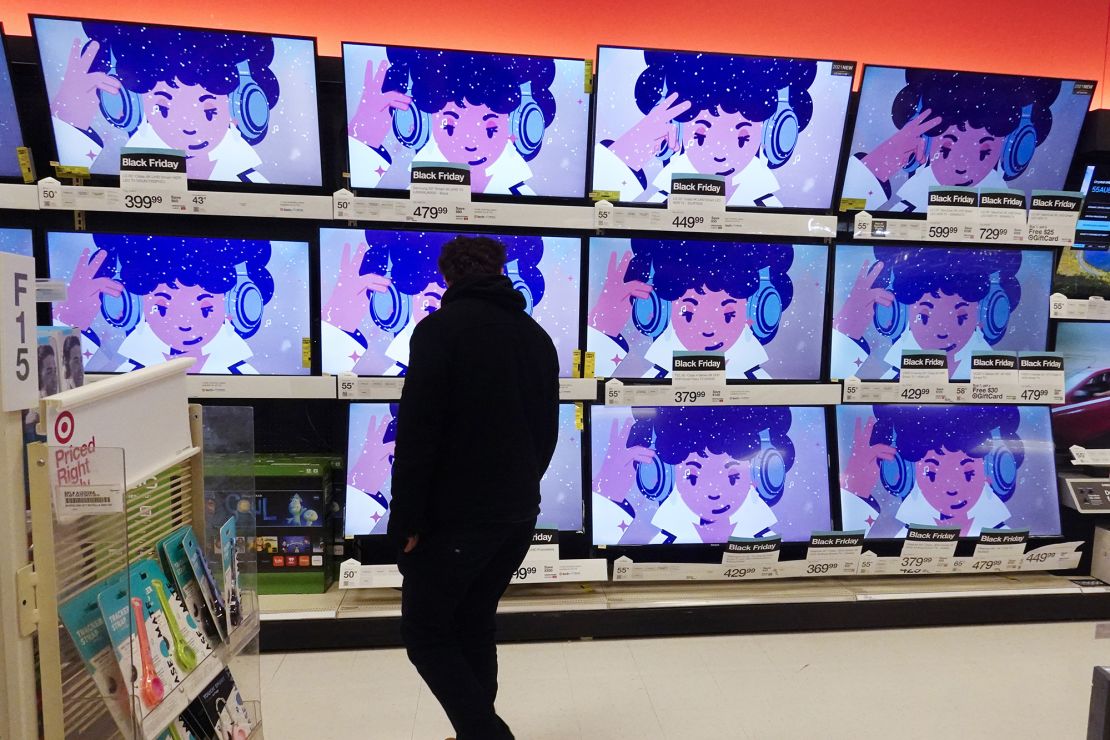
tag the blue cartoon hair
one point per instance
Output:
(917, 430)
(415, 254)
(732, 267)
(147, 55)
(737, 84)
(986, 101)
(921, 271)
(145, 262)
(440, 77)
(681, 431)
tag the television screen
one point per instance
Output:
(700, 474)
(16, 241)
(237, 306)
(920, 128)
(377, 285)
(1084, 269)
(10, 134)
(1084, 417)
(771, 127)
(519, 122)
(893, 298)
(972, 467)
(762, 305)
(370, 442)
(242, 106)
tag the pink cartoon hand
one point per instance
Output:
(859, 308)
(639, 144)
(618, 471)
(83, 294)
(613, 309)
(76, 102)
(375, 463)
(887, 158)
(861, 474)
(348, 304)
(373, 117)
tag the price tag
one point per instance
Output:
(1083, 456)
(614, 393)
(751, 558)
(88, 500)
(928, 550)
(833, 554)
(347, 386)
(342, 205)
(1098, 308)
(18, 351)
(1041, 376)
(994, 377)
(1053, 215)
(1058, 556)
(953, 214)
(999, 549)
(431, 213)
(1001, 216)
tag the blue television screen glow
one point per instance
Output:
(771, 127)
(237, 306)
(920, 128)
(372, 431)
(242, 106)
(888, 299)
(971, 467)
(520, 122)
(704, 474)
(377, 285)
(10, 134)
(16, 241)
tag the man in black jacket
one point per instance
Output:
(476, 430)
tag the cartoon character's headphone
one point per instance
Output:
(780, 132)
(652, 315)
(656, 479)
(413, 127)
(250, 108)
(390, 310)
(244, 304)
(1018, 147)
(897, 475)
(512, 270)
(995, 310)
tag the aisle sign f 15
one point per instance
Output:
(19, 375)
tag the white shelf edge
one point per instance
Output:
(19, 197)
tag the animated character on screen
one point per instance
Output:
(397, 283)
(483, 110)
(737, 117)
(954, 466)
(369, 475)
(206, 93)
(926, 298)
(299, 516)
(692, 295)
(714, 473)
(954, 129)
(171, 297)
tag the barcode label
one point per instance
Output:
(90, 499)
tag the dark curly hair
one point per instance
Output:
(471, 256)
(681, 431)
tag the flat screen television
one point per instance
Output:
(17, 241)
(704, 474)
(376, 285)
(919, 128)
(242, 106)
(238, 306)
(1084, 417)
(519, 122)
(887, 299)
(1084, 268)
(11, 136)
(770, 127)
(762, 305)
(972, 467)
(370, 442)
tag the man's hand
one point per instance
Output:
(411, 543)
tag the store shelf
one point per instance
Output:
(347, 207)
(618, 393)
(19, 197)
(759, 223)
(1038, 231)
(295, 607)
(1095, 308)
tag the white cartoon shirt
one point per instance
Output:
(753, 518)
(365, 513)
(754, 185)
(747, 354)
(989, 512)
(848, 355)
(911, 197)
(344, 351)
(507, 174)
(235, 159)
(226, 353)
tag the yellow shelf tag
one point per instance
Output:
(588, 83)
(610, 195)
(306, 352)
(589, 369)
(579, 416)
(68, 170)
(853, 204)
(26, 164)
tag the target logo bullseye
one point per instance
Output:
(63, 427)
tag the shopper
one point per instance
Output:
(476, 429)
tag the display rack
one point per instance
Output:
(103, 496)
(1035, 228)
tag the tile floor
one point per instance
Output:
(1020, 681)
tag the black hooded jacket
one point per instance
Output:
(479, 413)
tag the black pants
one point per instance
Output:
(453, 582)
